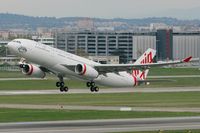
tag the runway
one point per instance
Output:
(110, 90)
(103, 126)
(102, 108)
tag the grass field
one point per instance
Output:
(38, 84)
(11, 74)
(22, 115)
(51, 80)
(153, 71)
(178, 99)
(175, 131)
(50, 84)
(173, 71)
(190, 99)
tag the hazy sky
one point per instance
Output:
(186, 9)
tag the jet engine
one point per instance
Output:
(86, 70)
(32, 70)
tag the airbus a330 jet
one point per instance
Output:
(38, 59)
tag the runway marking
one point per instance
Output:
(125, 109)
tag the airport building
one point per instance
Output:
(45, 40)
(105, 43)
(3, 42)
(105, 59)
(164, 44)
(141, 42)
(3, 49)
(129, 46)
(186, 44)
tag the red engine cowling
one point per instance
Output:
(87, 71)
(32, 70)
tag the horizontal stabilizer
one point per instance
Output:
(187, 59)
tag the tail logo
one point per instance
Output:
(142, 76)
(135, 72)
(148, 58)
(138, 73)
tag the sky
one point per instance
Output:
(182, 9)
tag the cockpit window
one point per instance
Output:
(17, 41)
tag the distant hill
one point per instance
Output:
(11, 21)
(20, 21)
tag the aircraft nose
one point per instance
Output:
(9, 45)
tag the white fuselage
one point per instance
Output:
(55, 59)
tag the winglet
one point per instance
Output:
(187, 59)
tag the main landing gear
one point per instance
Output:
(61, 84)
(92, 86)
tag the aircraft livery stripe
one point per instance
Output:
(134, 80)
(31, 70)
(84, 70)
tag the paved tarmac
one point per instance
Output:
(111, 90)
(101, 108)
(103, 126)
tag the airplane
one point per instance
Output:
(44, 59)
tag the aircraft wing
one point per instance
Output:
(115, 68)
(105, 68)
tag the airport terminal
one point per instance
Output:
(127, 46)
(165, 41)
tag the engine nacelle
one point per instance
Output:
(87, 71)
(32, 70)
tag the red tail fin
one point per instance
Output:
(147, 57)
(187, 59)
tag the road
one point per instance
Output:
(111, 90)
(102, 126)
